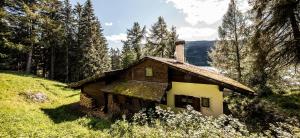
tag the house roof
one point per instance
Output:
(93, 78)
(153, 91)
(204, 73)
(201, 72)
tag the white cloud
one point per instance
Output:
(196, 11)
(243, 5)
(108, 24)
(114, 41)
(116, 38)
(208, 11)
(192, 33)
(114, 45)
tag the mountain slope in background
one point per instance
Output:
(196, 52)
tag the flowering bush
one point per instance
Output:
(188, 123)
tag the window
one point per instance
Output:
(205, 102)
(128, 100)
(149, 72)
(182, 101)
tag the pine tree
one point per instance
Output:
(92, 44)
(173, 37)
(8, 49)
(85, 39)
(49, 38)
(157, 42)
(68, 20)
(127, 55)
(75, 52)
(52, 38)
(261, 69)
(229, 52)
(274, 44)
(281, 19)
(101, 50)
(3, 31)
(115, 58)
(30, 24)
(135, 35)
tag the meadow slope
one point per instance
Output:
(58, 116)
(22, 117)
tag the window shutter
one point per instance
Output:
(196, 103)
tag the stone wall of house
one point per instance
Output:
(86, 101)
(93, 90)
(119, 105)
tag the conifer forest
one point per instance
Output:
(55, 55)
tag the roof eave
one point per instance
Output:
(226, 85)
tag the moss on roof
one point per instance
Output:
(139, 89)
(78, 84)
(89, 79)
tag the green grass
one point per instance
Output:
(57, 117)
(289, 103)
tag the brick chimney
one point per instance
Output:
(179, 51)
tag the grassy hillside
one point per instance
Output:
(20, 116)
(58, 116)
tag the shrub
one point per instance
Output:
(290, 105)
(262, 116)
(188, 123)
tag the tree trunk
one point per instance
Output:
(238, 60)
(44, 63)
(138, 55)
(52, 63)
(296, 34)
(29, 61)
(67, 64)
(238, 64)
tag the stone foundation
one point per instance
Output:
(86, 101)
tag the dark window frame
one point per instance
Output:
(146, 73)
(182, 101)
(205, 102)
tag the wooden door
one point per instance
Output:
(105, 102)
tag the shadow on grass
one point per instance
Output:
(290, 103)
(19, 73)
(71, 112)
(73, 95)
(63, 87)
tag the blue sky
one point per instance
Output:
(194, 19)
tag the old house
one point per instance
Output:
(153, 81)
